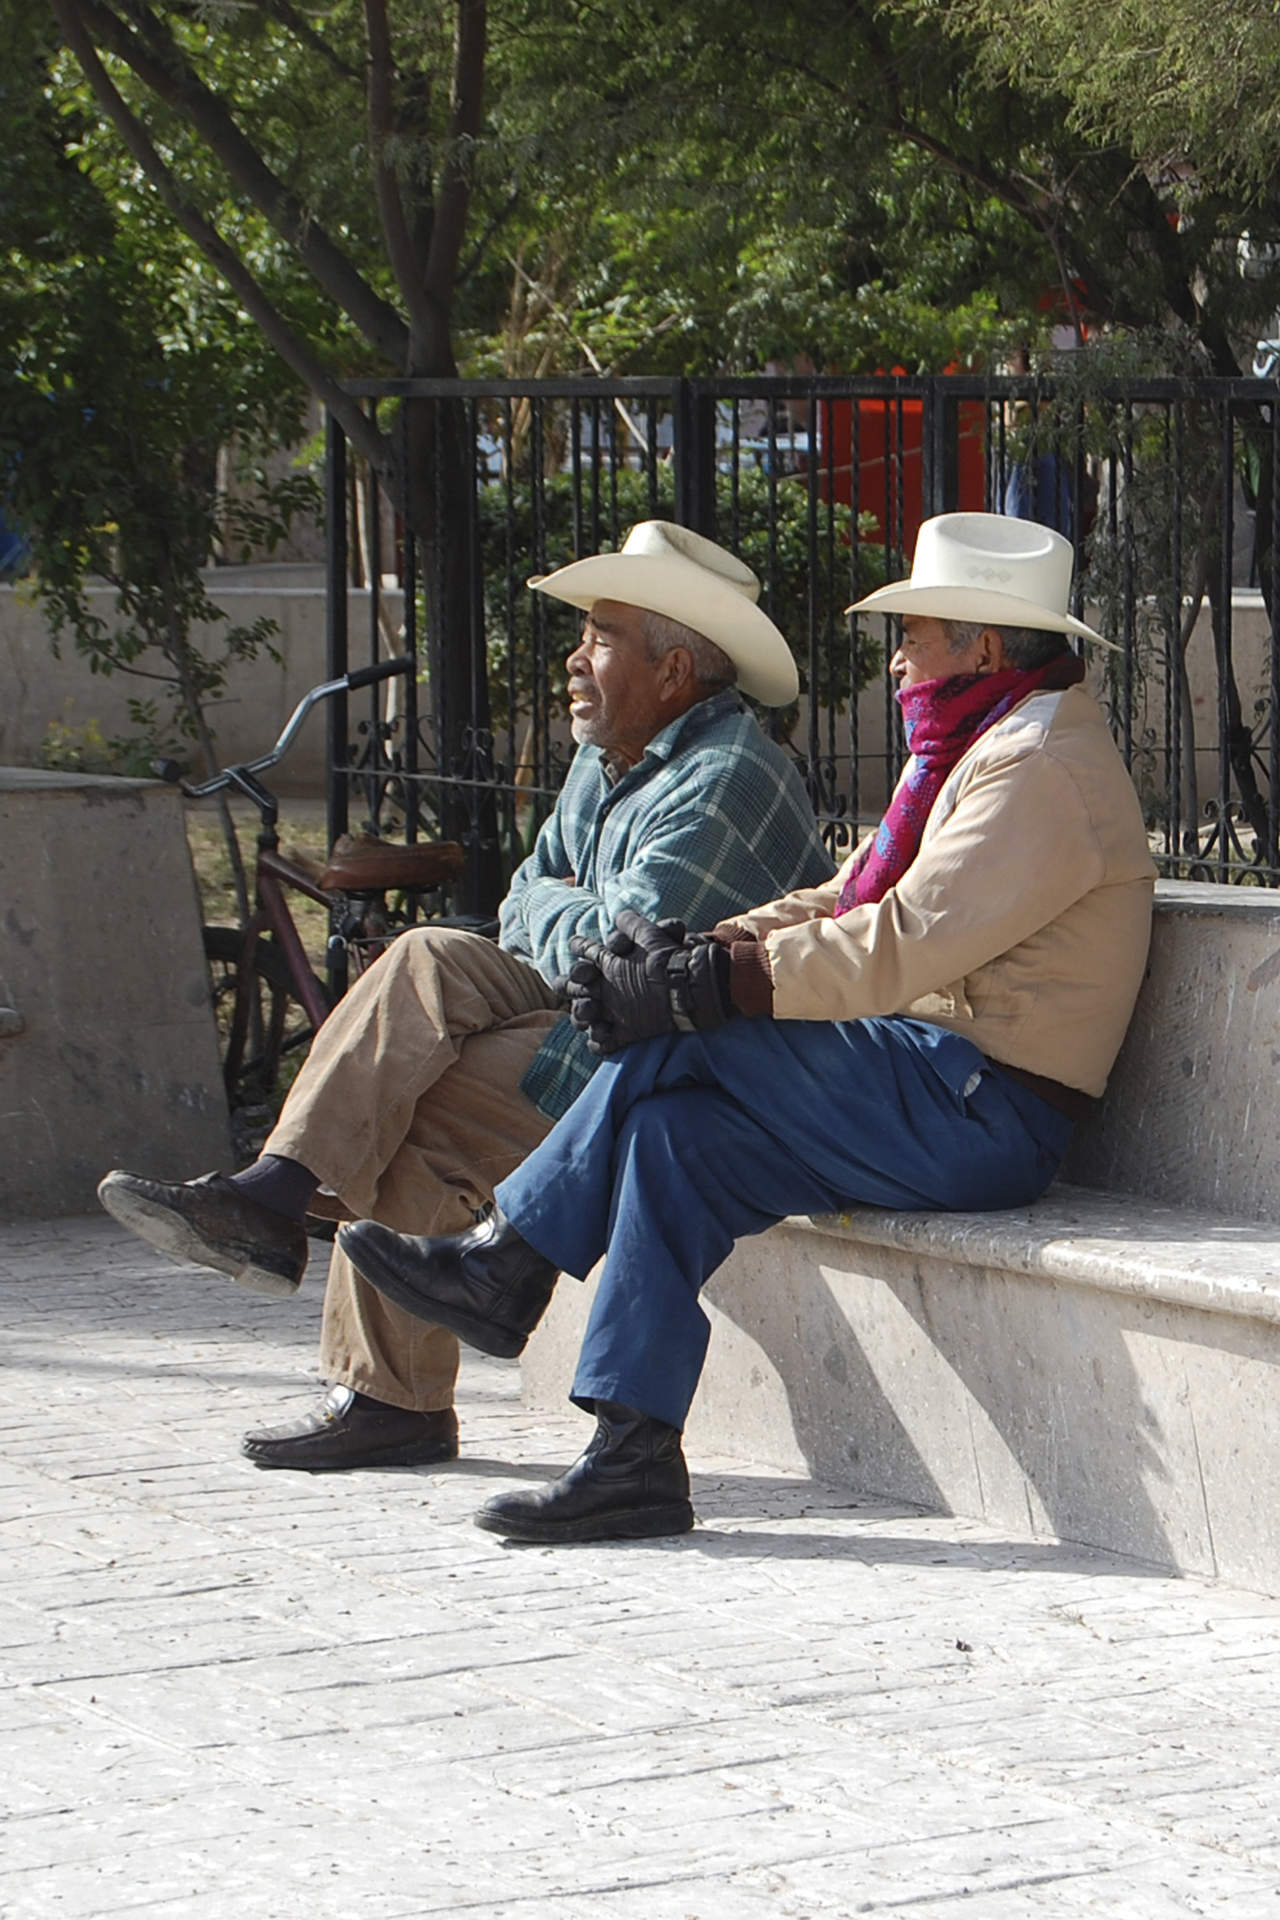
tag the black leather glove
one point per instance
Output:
(647, 978)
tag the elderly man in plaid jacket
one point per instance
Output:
(451, 1058)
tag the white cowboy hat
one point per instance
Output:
(990, 568)
(666, 569)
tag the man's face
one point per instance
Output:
(618, 697)
(925, 653)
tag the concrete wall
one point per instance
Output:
(1192, 1114)
(108, 1056)
(260, 696)
(40, 689)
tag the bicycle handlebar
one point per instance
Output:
(241, 774)
(381, 670)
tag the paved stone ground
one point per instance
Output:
(236, 1693)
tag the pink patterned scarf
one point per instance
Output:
(941, 718)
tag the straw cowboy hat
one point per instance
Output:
(988, 568)
(666, 569)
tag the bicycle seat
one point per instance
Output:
(358, 865)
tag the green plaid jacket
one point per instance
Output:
(713, 819)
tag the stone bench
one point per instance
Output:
(1103, 1367)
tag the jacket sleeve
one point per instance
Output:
(546, 870)
(1017, 850)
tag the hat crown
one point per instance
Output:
(987, 567)
(665, 540)
(990, 553)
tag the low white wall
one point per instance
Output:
(41, 690)
(1191, 1113)
(260, 696)
(111, 1057)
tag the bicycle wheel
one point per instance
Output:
(280, 1031)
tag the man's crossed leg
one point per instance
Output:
(408, 1111)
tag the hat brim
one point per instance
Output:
(976, 604)
(684, 591)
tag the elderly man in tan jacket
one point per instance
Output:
(920, 1032)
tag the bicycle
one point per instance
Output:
(268, 1001)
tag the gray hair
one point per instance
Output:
(712, 667)
(1025, 648)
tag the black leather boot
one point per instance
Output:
(487, 1285)
(630, 1484)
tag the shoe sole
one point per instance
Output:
(169, 1233)
(395, 1457)
(480, 1334)
(645, 1523)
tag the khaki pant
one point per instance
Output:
(409, 1108)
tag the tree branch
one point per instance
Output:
(302, 30)
(490, 233)
(291, 348)
(162, 67)
(997, 184)
(453, 194)
(289, 18)
(395, 227)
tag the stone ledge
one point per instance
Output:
(1260, 905)
(1115, 1242)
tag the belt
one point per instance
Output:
(1069, 1100)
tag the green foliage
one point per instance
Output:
(1173, 103)
(124, 369)
(71, 747)
(1185, 84)
(724, 187)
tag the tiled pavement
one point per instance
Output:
(227, 1692)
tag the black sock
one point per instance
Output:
(285, 1186)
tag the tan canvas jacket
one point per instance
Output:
(1023, 921)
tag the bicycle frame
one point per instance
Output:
(275, 872)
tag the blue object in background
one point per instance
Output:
(15, 554)
(1040, 489)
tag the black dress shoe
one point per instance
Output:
(487, 1285)
(352, 1430)
(630, 1484)
(211, 1222)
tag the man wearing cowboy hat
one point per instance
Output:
(919, 1032)
(450, 1059)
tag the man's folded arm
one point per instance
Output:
(548, 862)
(679, 871)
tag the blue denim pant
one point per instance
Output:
(680, 1145)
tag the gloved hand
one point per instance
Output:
(647, 978)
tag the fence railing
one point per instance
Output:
(1166, 488)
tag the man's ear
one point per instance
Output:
(991, 657)
(677, 671)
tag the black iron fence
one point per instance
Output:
(1166, 488)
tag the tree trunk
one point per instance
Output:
(438, 493)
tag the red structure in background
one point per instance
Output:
(889, 462)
